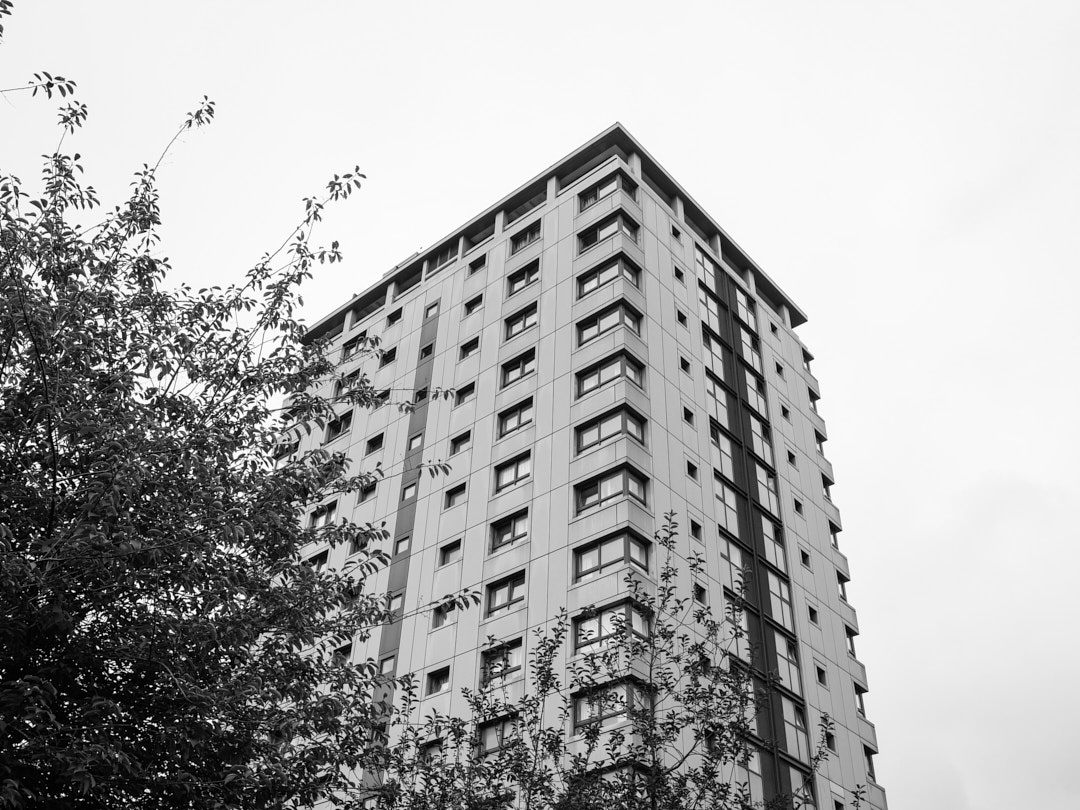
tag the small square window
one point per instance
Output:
(461, 442)
(804, 557)
(688, 416)
(401, 545)
(830, 741)
(420, 395)
(473, 305)
(773, 329)
(692, 470)
(681, 316)
(415, 441)
(427, 351)
(444, 615)
(784, 412)
(700, 594)
(679, 276)
(822, 676)
(477, 264)
(432, 310)
(811, 611)
(779, 371)
(684, 364)
(387, 665)
(366, 493)
(798, 506)
(695, 529)
(451, 552)
(374, 444)
(454, 496)
(464, 394)
(393, 317)
(469, 348)
(395, 603)
(438, 681)
(388, 357)
(676, 234)
(791, 459)
(408, 491)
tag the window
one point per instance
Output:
(707, 270)
(734, 567)
(612, 485)
(454, 496)
(444, 615)
(606, 229)
(798, 506)
(611, 318)
(780, 601)
(826, 488)
(388, 665)
(780, 370)
(469, 348)
(608, 185)
(795, 736)
(521, 366)
(755, 393)
(608, 370)
(473, 305)
(505, 594)
(787, 662)
(520, 279)
(509, 530)
(841, 585)
(462, 441)
(339, 426)
(868, 755)
(427, 351)
(414, 442)
(773, 543)
(421, 395)
(695, 529)
(692, 470)
(608, 705)
(821, 674)
(516, 417)
(850, 634)
(723, 457)
(367, 492)
(522, 239)
(606, 274)
(860, 700)
(381, 399)
(431, 310)
(374, 444)
(791, 459)
(394, 317)
(443, 257)
(408, 491)
(496, 733)
(745, 307)
(477, 264)
(388, 357)
(395, 603)
(750, 351)
(520, 321)
(600, 626)
(450, 552)
(834, 535)
(804, 558)
(813, 400)
(766, 489)
(502, 663)
(687, 415)
(621, 549)
(812, 614)
(609, 426)
(438, 681)
(464, 394)
(714, 354)
(676, 234)
(727, 505)
(806, 358)
(819, 443)
(747, 771)
(323, 515)
(716, 402)
(679, 275)
(680, 316)
(684, 364)
(401, 545)
(351, 347)
(712, 312)
(701, 595)
(784, 412)
(513, 472)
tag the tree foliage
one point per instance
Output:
(162, 643)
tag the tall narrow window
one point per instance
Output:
(796, 738)
(766, 489)
(780, 601)
(745, 307)
(787, 661)
(727, 505)
(750, 351)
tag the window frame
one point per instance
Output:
(617, 223)
(516, 464)
(515, 586)
(526, 236)
(530, 272)
(602, 275)
(629, 539)
(626, 474)
(516, 411)
(510, 524)
(522, 321)
(626, 417)
(623, 359)
(628, 318)
(524, 364)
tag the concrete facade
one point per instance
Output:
(601, 289)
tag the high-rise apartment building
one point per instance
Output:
(613, 355)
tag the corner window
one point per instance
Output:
(599, 627)
(610, 486)
(621, 549)
(592, 195)
(609, 370)
(621, 314)
(611, 226)
(608, 273)
(610, 426)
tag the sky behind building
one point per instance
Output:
(907, 172)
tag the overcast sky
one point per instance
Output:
(909, 172)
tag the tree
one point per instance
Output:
(162, 641)
(658, 714)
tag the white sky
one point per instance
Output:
(908, 172)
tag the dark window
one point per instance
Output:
(461, 442)
(464, 394)
(454, 496)
(468, 348)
